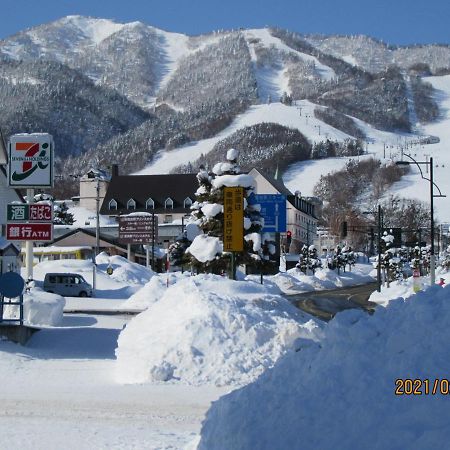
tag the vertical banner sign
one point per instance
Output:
(233, 226)
(30, 160)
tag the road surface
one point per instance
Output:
(326, 304)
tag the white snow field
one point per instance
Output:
(123, 382)
(340, 393)
(59, 392)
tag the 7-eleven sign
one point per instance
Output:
(31, 160)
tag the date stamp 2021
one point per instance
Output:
(418, 386)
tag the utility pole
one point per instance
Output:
(29, 244)
(97, 234)
(380, 227)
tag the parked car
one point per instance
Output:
(67, 285)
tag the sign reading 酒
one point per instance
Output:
(138, 229)
(38, 232)
(30, 160)
(233, 220)
(29, 212)
(273, 210)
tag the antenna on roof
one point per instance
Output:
(276, 173)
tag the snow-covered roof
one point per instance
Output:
(97, 173)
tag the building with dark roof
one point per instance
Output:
(168, 196)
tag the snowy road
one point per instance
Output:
(60, 392)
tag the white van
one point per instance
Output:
(67, 285)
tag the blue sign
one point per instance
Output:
(273, 209)
(11, 284)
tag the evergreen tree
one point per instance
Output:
(308, 260)
(446, 259)
(177, 251)
(348, 257)
(61, 214)
(208, 214)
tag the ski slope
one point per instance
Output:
(386, 146)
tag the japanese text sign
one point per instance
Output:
(273, 210)
(29, 212)
(138, 229)
(233, 226)
(38, 232)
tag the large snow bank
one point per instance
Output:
(126, 271)
(208, 329)
(154, 290)
(341, 394)
(39, 308)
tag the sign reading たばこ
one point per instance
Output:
(30, 160)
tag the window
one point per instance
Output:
(168, 204)
(131, 204)
(187, 202)
(150, 204)
(112, 204)
(168, 218)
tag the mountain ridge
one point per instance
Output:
(182, 89)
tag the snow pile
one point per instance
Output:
(43, 308)
(210, 330)
(341, 393)
(205, 248)
(124, 270)
(39, 308)
(397, 289)
(154, 290)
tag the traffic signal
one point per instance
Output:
(289, 237)
(344, 229)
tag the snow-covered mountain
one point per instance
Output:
(181, 96)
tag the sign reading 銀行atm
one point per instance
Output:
(30, 160)
(233, 219)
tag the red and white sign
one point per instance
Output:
(38, 232)
(31, 160)
(40, 213)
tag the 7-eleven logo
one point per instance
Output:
(33, 157)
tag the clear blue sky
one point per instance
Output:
(393, 21)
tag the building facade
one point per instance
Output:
(300, 212)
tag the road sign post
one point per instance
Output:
(138, 229)
(273, 210)
(233, 223)
(31, 159)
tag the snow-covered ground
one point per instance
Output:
(97, 381)
(59, 392)
(342, 392)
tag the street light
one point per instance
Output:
(432, 196)
(380, 229)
